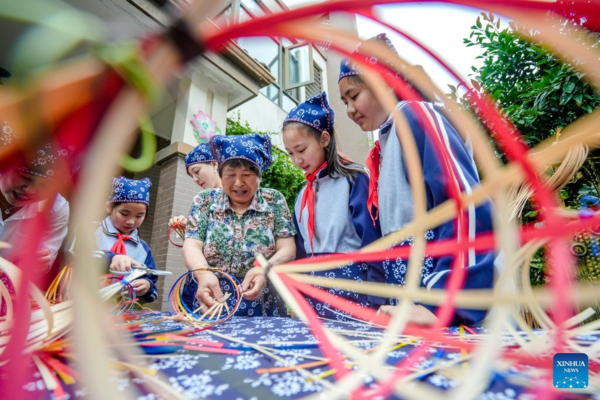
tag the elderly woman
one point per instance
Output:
(227, 227)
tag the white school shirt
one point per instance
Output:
(12, 232)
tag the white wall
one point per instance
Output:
(196, 94)
(263, 115)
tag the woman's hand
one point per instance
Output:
(123, 263)
(418, 314)
(209, 289)
(254, 283)
(179, 221)
(141, 286)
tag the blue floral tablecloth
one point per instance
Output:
(199, 375)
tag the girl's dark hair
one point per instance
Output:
(337, 163)
(240, 162)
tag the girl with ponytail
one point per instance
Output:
(331, 212)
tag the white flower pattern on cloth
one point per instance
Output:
(43, 163)
(198, 386)
(286, 384)
(214, 376)
(126, 190)
(395, 271)
(180, 363)
(251, 147)
(200, 154)
(7, 134)
(314, 112)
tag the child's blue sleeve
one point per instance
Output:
(108, 256)
(480, 271)
(300, 251)
(366, 230)
(152, 294)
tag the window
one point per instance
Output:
(317, 86)
(289, 62)
(298, 60)
(270, 52)
(265, 50)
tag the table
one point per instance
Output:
(207, 375)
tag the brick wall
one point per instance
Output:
(153, 174)
(146, 228)
(174, 197)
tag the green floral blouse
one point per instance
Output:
(232, 242)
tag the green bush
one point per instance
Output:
(535, 90)
(282, 175)
(540, 94)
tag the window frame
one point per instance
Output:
(283, 77)
(286, 56)
(316, 68)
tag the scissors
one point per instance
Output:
(142, 268)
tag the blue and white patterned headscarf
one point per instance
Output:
(349, 68)
(42, 162)
(252, 147)
(200, 154)
(130, 190)
(314, 112)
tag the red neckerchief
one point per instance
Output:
(119, 246)
(309, 197)
(373, 162)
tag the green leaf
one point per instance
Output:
(531, 214)
(564, 194)
(568, 88)
(478, 23)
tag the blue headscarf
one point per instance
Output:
(200, 154)
(42, 162)
(314, 112)
(349, 68)
(252, 147)
(130, 190)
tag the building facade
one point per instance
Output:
(258, 80)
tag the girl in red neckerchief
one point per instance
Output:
(118, 237)
(391, 193)
(332, 214)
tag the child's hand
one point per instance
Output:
(386, 310)
(123, 263)
(179, 221)
(418, 314)
(141, 286)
